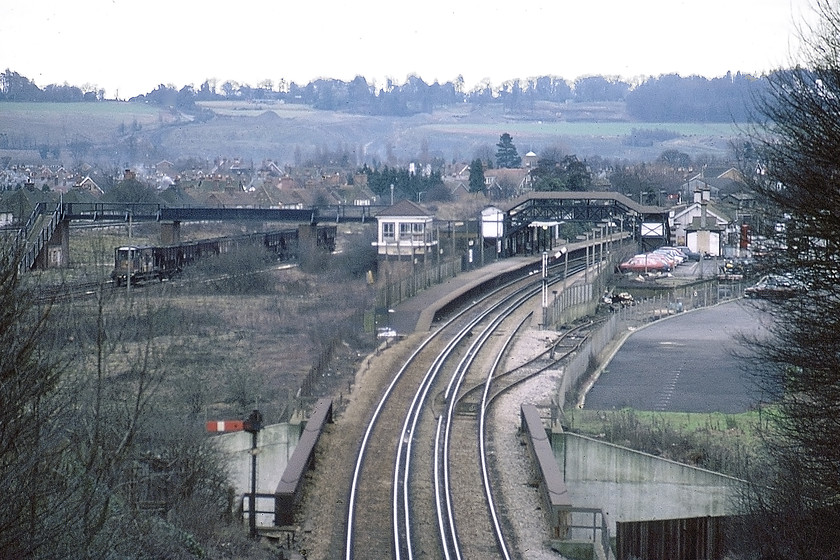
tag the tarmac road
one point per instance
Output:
(682, 364)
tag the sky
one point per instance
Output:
(129, 47)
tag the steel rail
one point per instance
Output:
(442, 449)
(482, 448)
(503, 309)
(402, 527)
(351, 505)
(403, 470)
(407, 435)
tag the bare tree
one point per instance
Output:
(96, 461)
(30, 447)
(795, 494)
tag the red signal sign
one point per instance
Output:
(225, 425)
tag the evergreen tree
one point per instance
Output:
(566, 174)
(506, 155)
(476, 176)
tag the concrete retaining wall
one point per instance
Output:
(633, 486)
(584, 361)
(275, 445)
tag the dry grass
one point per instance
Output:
(269, 337)
(715, 441)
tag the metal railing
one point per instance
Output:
(679, 299)
(597, 532)
(30, 246)
(583, 298)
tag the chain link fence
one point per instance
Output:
(603, 291)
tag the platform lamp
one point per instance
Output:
(601, 241)
(585, 237)
(608, 223)
(564, 250)
(544, 285)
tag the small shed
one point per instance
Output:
(404, 230)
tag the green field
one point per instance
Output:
(77, 117)
(593, 422)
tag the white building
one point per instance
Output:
(700, 225)
(404, 231)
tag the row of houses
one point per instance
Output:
(48, 177)
(229, 183)
(715, 202)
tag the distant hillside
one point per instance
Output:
(122, 133)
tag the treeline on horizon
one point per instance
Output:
(666, 98)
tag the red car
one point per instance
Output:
(645, 263)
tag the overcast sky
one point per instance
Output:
(131, 46)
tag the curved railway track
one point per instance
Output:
(469, 445)
(422, 485)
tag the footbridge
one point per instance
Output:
(525, 224)
(45, 238)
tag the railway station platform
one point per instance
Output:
(417, 313)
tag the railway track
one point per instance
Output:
(422, 486)
(58, 293)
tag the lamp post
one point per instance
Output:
(544, 281)
(601, 241)
(585, 237)
(608, 223)
(392, 194)
(564, 250)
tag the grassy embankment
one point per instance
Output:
(714, 441)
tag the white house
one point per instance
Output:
(404, 231)
(700, 225)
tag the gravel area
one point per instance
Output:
(521, 500)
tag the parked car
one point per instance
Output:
(774, 286)
(647, 262)
(676, 256)
(385, 333)
(689, 254)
